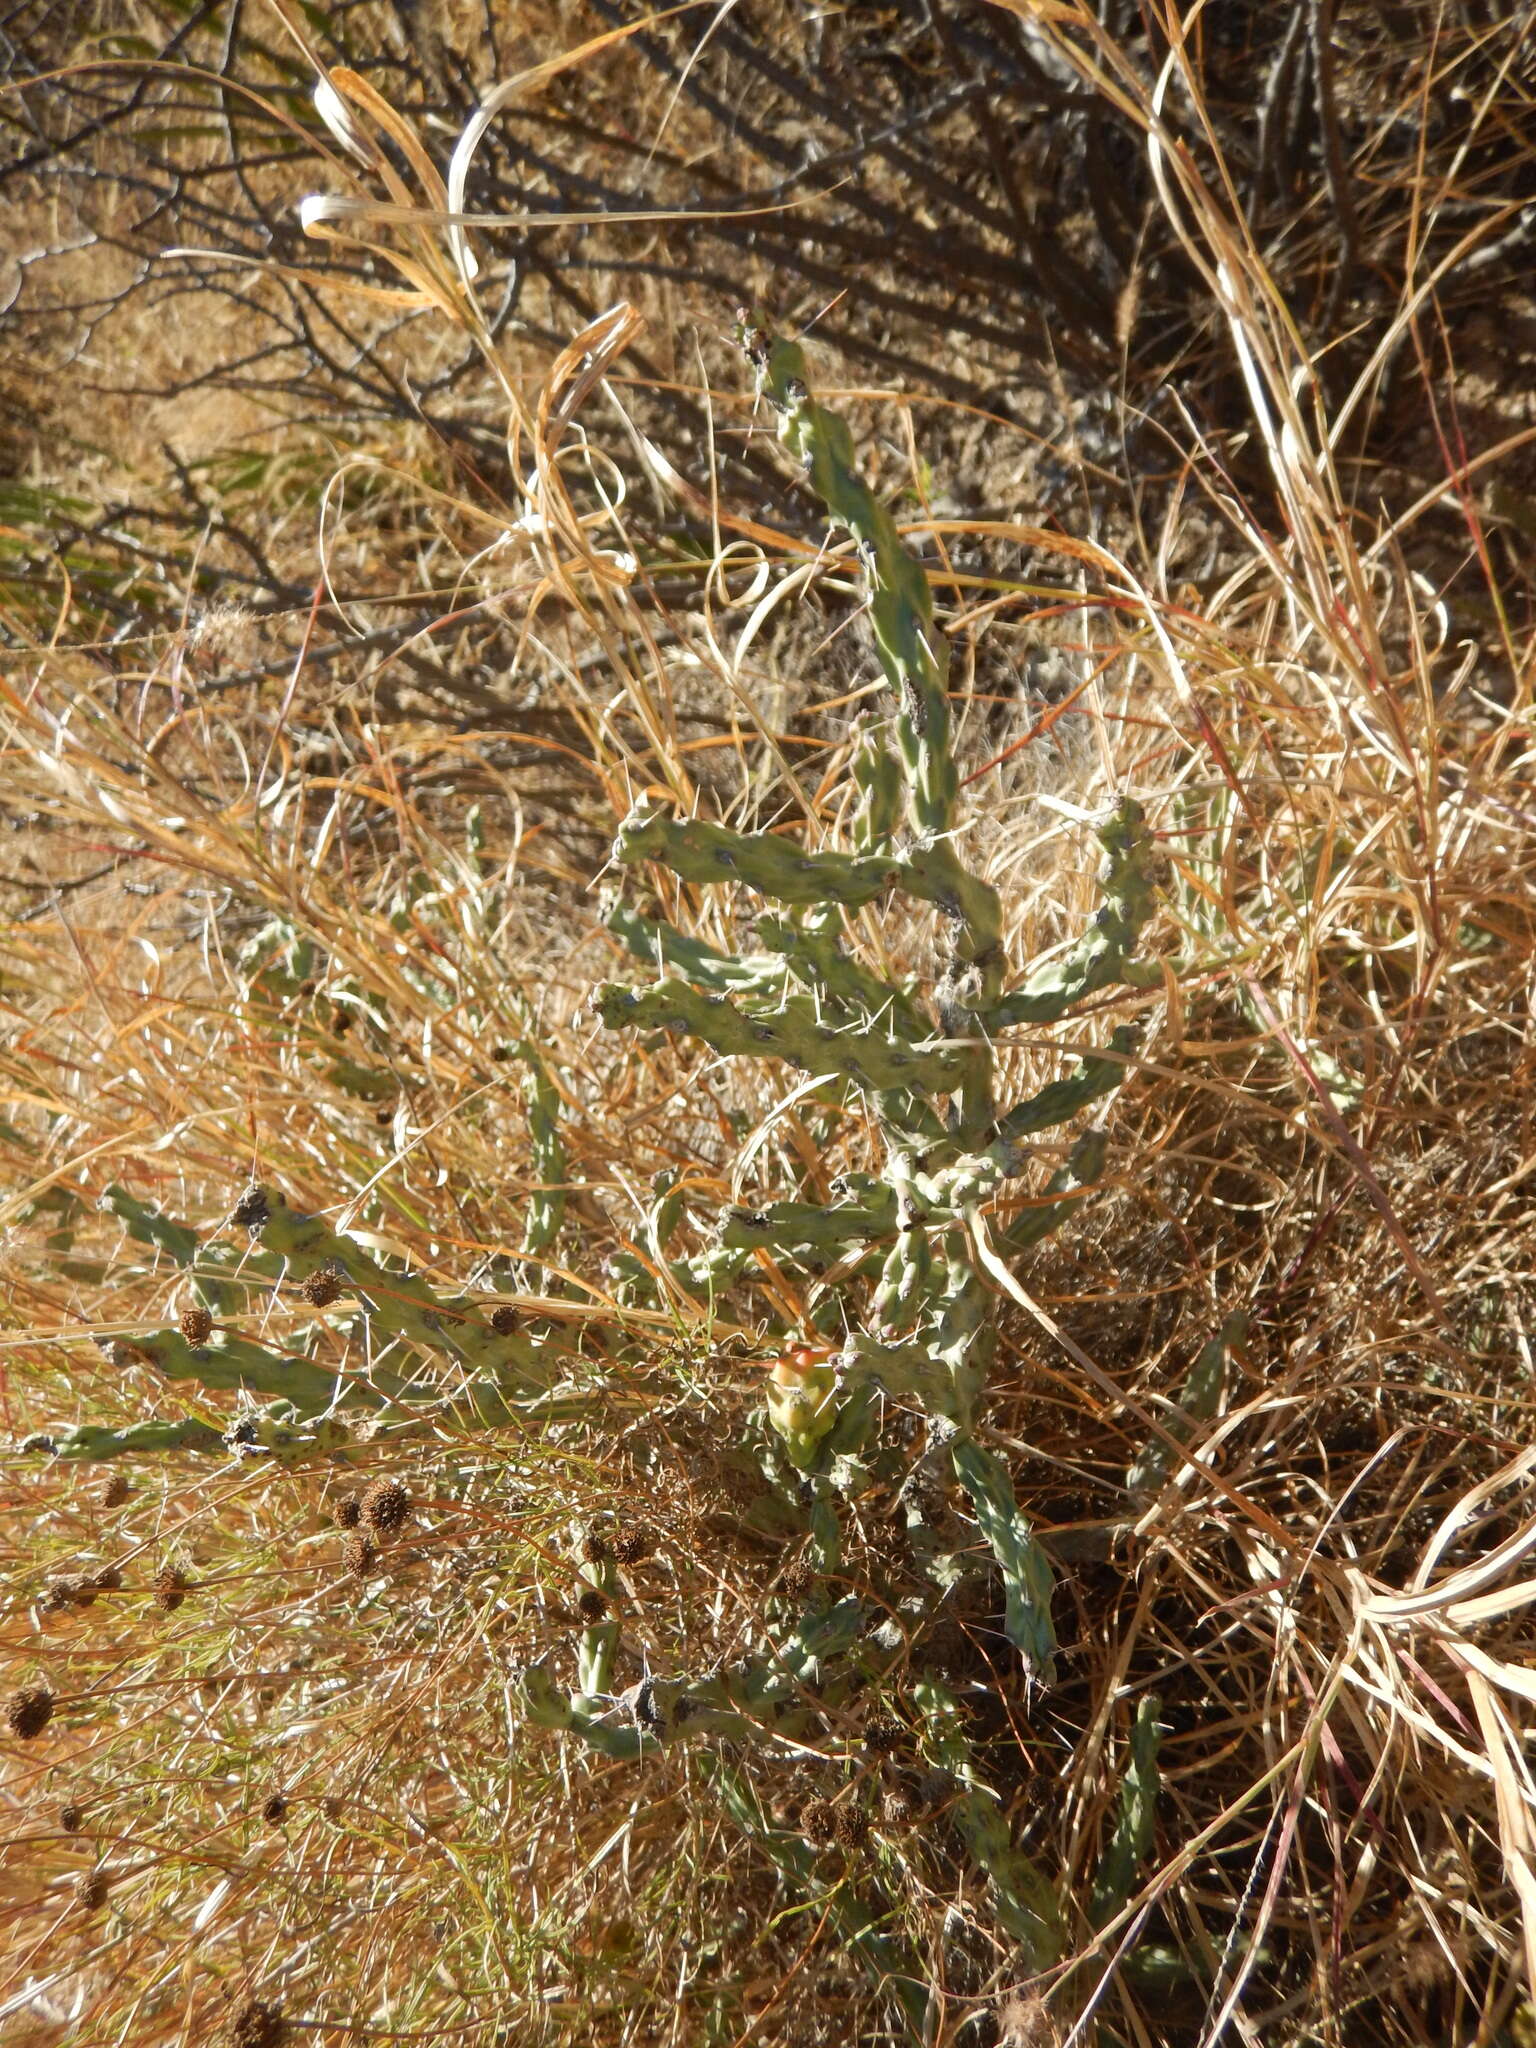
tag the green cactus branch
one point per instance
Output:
(1130, 1841)
(662, 946)
(1102, 957)
(230, 1363)
(793, 1032)
(877, 779)
(697, 851)
(796, 1225)
(1198, 1402)
(1027, 1907)
(1027, 1579)
(89, 1443)
(815, 957)
(1097, 1075)
(546, 1203)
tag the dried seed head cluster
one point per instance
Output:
(359, 1555)
(70, 1818)
(348, 1511)
(386, 1506)
(504, 1320)
(196, 1325)
(74, 1589)
(115, 1490)
(91, 1889)
(258, 2025)
(29, 1710)
(592, 1605)
(108, 1579)
(635, 1543)
(274, 1809)
(594, 1548)
(320, 1288)
(170, 1588)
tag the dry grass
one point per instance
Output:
(303, 1782)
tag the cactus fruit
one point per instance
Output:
(801, 1390)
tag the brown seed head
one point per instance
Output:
(592, 1605)
(884, 1738)
(274, 1809)
(257, 2025)
(358, 1554)
(91, 1890)
(850, 1828)
(116, 1490)
(818, 1818)
(108, 1580)
(348, 1511)
(386, 1505)
(320, 1288)
(170, 1588)
(504, 1320)
(594, 1548)
(196, 1325)
(635, 1543)
(70, 1818)
(29, 1710)
(797, 1579)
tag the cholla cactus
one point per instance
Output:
(930, 1079)
(912, 1313)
